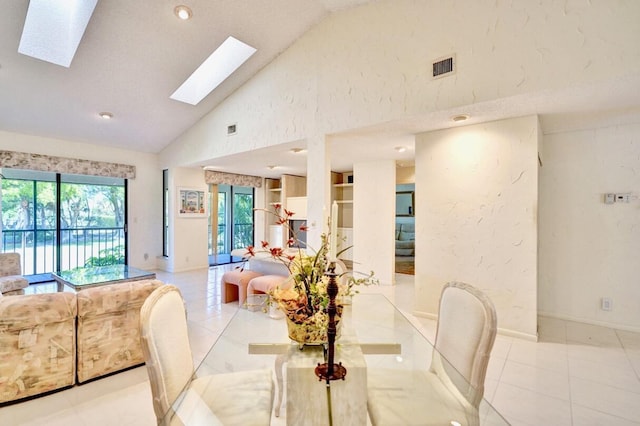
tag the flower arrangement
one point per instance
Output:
(304, 298)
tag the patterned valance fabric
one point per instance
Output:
(48, 163)
(213, 177)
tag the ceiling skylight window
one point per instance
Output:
(214, 70)
(53, 29)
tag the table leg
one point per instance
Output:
(280, 360)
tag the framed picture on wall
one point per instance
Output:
(192, 203)
(404, 203)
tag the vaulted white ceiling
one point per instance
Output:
(133, 56)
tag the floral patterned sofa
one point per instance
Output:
(11, 280)
(49, 341)
(37, 344)
(108, 327)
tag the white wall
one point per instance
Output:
(476, 217)
(370, 64)
(374, 193)
(188, 236)
(588, 249)
(145, 191)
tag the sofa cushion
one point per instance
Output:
(13, 283)
(10, 264)
(405, 244)
(407, 236)
(409, 227)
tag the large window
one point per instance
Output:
(59, 222)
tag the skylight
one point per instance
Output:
(53, 29)
(214, 70)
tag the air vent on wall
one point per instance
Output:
(443, 66)
(231, 129)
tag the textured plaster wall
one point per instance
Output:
(476, 207)
(588, 249)
(145, 195)
(371, 64)
(374, 192)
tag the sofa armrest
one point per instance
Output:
(10, 264)
(109, 327)
(11, 283)
(112, 298)
(37, 344)
(28, 311)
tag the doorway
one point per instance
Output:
(405, 229)
(232, 218)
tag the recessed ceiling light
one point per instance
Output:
(214, 70)
(400, 148)
(461, 117)
(53, 29)
(106, 115)
(183, 12)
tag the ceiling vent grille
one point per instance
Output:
(444, 66)
(231, 129)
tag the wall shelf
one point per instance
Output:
(342, 194)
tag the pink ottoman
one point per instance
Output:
(264, 283)
(234, 285)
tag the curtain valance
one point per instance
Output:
(48, 163)
(213, 177)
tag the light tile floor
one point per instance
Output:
(577, 374)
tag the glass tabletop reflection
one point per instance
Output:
(385, 356)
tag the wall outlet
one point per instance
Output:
(623, 198)
(606, 304)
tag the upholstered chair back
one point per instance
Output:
(165, 345)
(465, 335)
(9, 264)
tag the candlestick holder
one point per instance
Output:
(329, 370)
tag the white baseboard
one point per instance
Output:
(501, 331)
(590, 321)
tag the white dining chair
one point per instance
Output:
(453, 386)
(235, 398)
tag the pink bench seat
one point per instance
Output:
(234, 285)
(264, 283)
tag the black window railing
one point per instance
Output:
(79, 247)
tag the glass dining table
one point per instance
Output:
(383, 352)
